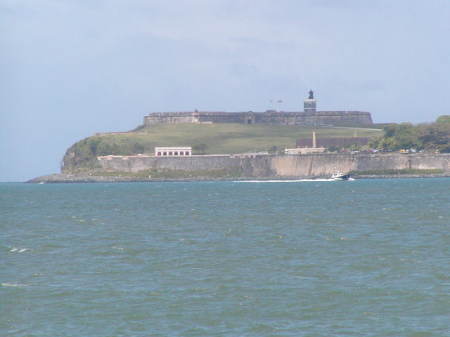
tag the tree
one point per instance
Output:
(443, 119)
(273, 149)
(333, 148)
(434, 136)
(138, 148)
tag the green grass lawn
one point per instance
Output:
(229, 138)
(204, 138)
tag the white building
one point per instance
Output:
(249, 154)
(305, 150)
(174, 151)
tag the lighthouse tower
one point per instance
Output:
(310, 103)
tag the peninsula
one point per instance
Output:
(239, 145)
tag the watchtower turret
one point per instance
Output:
(310, 103)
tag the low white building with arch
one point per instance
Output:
(173, 151)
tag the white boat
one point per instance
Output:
(339, 176)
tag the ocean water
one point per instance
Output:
(359, 258)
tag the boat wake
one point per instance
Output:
(18, 250)
(284, 181)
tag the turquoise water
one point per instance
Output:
(360, 258)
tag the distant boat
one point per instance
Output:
(339, 176)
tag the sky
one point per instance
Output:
(69, 69)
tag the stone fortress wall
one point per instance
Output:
(309, 117)
(275, 166)
(319, 118)
(279, 166)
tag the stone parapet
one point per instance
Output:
(266, 166)
(319, 118)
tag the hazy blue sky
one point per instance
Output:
(69, 69)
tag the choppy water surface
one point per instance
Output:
(361, 258)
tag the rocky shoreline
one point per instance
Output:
(87, 178)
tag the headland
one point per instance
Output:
(250, 145)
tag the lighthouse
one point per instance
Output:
(310, 103)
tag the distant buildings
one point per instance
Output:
(177, 151)
(307, 149)
(337, 142)
(309, 117)
(310, 105)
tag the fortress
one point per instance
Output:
(309, 117)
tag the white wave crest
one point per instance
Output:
(18, 250)
(15, 285)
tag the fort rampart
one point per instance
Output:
(278, 166)
(319, 118)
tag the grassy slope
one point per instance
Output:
(218, 138)
(229, 138)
